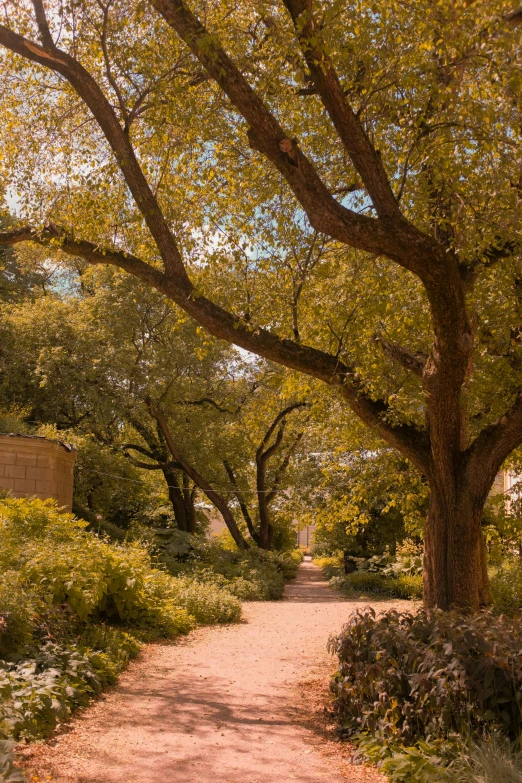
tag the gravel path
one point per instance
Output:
(224, 705)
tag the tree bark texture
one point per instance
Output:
(455, 571)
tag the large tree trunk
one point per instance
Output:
(455, 572)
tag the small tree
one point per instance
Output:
(394, 128)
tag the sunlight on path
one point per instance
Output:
(217, 707)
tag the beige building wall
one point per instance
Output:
(37, 467)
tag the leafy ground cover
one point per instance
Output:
(416, 692)
(254, 575)
(395, 576)
(75, 608)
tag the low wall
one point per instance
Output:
(37, 467)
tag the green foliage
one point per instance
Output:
(382, 501)
(60, 587)
(376, 583)
(331, 566)
(407, 677)
(19, 608)
(407, 560)
(254, 575)
(424, 762)
(41, 691)
(107, 484)
(207, 602)
(8, 772)
(398, 576)
(65, 564)
(407, 586)
(361, 581)
(118, 645)
(492, 759)
(506, 585)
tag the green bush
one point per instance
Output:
(254, 575)
(118, 645)
(407, 586)
(72, 608)
(361, 582)
(8, 772)
(493, 760)
(407, 560)
(402, 586)
(19, 609)
(207, 602)
(330, 565)
(41, 691)
(56, 557)
(245, 589)
(407, 677)
(424, 762)
(289, 562)
(506, 586)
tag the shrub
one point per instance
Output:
(254, 575)
(405, 677)
(55, 556)
(118, 645)
(424, 762)
(41, 691)
(62, 591)
(506, 586)
(287, 562)
(8, 772)
(207, 602)
(18, 614)
(402, 586)
(407, 586)
(361, 581)
(407, 560)
(330, 566)
(245, 589)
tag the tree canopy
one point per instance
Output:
(333, 186)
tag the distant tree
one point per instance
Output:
(156, 391)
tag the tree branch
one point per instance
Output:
(205, 401)
(241, 500)
(43, 25)
(213, 495)
(492, 446)
(267, 136)
(91, 94)
(311, 361)
(283, 467)
(366, 160)
(146, 465)
(280, 416)
(410, 361)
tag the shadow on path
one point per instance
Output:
(220, 707)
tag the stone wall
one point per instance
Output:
(37, 467)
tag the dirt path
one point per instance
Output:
(221, 706)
